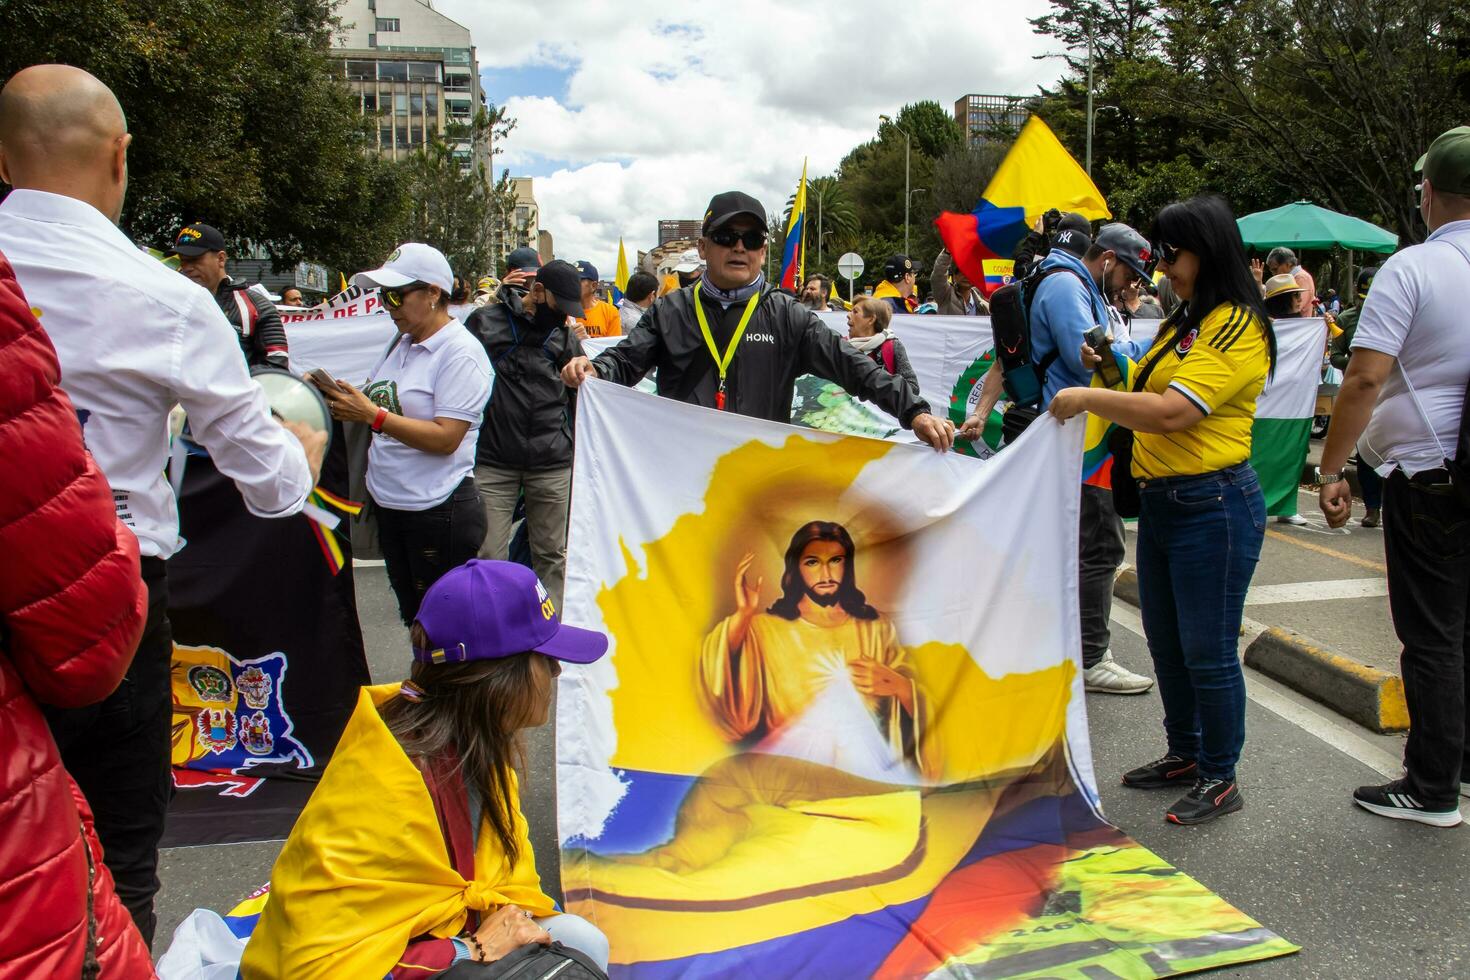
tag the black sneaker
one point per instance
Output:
(1206, 800)
(1168, 771)
(1398, 801)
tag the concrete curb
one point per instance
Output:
(1371, 697)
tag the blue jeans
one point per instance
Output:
(1199, 538)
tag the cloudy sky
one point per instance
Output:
(629, 112)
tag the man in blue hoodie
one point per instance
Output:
(1068, 303)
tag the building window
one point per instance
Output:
(385, 136)
(372, 40)
(392, 71)
(457, 83)
(400, 103)
(387, 25)
(423, 71)
(362, 71)
(369, 102)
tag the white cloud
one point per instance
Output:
(668, 105)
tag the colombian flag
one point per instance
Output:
(620, 277)
(1036, 175)
(793, 259)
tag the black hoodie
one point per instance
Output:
(528, 420)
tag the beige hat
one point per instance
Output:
(1283, 284)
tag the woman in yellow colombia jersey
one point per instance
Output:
(1201, 514)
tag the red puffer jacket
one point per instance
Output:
(72, 608)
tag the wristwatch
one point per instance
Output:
(1327, 479)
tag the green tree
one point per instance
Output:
(449, 205)
(239, 118)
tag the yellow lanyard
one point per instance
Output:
(723, 362)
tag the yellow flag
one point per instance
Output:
(1039, 174)
(620, 277)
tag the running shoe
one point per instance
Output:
(1397, 801)
(1207, 799)
(1168, 771)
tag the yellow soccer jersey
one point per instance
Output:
(1220, 367)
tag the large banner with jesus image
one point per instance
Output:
(841, 731)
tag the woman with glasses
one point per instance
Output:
(1201, 514)
(424, 402)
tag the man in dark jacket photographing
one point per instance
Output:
(735, 343)
(526, 439)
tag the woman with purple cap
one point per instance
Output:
(412, 858)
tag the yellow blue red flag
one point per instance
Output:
(793, 257)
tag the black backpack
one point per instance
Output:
(531, 962)
(1010, 326)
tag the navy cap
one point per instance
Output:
(587, 270)
(198, 238)
(524, 257)
(897, 267)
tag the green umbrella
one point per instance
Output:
(1303, 225)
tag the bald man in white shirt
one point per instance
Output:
(134, 338)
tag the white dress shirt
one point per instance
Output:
(1415, 313)
(446, 376)
(134, 338)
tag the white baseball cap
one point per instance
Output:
(410, 262)
(689, 261)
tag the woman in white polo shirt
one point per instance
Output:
(424, 402)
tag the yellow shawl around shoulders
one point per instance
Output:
(366, 868)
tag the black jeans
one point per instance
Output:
(1426, 539)
(119, 752)
(1100, 552)
(421, 545)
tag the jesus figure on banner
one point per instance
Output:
(821, 675)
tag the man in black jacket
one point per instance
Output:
(733, 342)
(526, 439)
(202, 258)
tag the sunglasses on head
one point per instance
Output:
(1166, 252)
(394, 297)
(726, 238)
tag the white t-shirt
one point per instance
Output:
(1418, 312)
(447, 376)
(134, 338)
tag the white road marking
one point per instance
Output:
(1265, 692)
(1343, 588)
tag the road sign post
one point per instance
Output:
(850, 266)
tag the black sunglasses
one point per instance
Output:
(726, 238)
(394, 297)
(1167, 253)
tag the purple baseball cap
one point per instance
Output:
(488, 609)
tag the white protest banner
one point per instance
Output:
(840, 729)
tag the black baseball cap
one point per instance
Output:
(1131, 248)
(562, 281)
(897, 267)
(524, 257)
(730, 204)
(196, 239)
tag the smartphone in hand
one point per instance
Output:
(322, 379)
(1097, 339)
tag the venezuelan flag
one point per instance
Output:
(1036, 175)
(793, 259)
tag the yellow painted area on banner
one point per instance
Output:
(757, 496)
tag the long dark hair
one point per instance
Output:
(475, 711)
(849, 596)
(1206, 226)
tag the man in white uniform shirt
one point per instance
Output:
(1403, 394)
(133, 338)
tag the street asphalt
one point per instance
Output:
(1363, 896)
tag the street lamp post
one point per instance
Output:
(907, 146)
(1089, 91)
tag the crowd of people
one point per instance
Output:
(470, 421)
